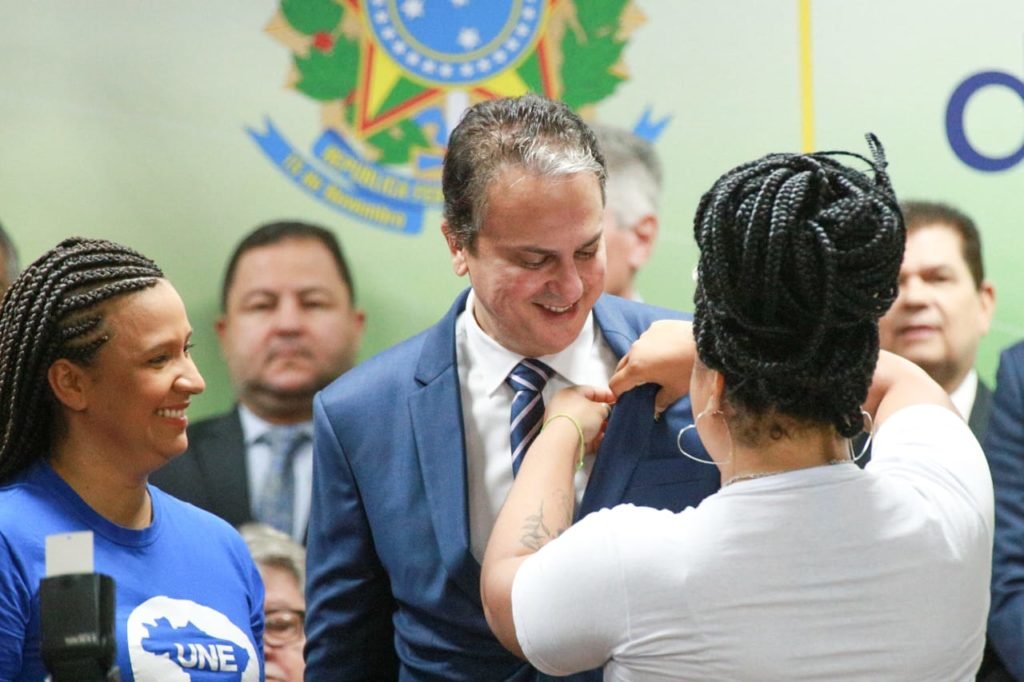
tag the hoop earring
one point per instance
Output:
(867, 442)
(679, 445)
(679, 440)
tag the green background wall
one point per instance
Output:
(127, 120)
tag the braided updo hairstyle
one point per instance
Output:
(53, 311)
(799, 257)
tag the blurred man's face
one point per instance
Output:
(627, 249)
(940, 315)
(618, 278)
(537, 265)
(288, 328)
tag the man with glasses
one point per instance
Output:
(281, 562)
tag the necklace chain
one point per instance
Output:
(765, 474)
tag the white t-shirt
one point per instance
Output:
(964, 395)
(828, 573)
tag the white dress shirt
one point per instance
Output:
(258, 458)
(487, 403)
(963, 395)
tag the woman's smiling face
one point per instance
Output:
(139, 385)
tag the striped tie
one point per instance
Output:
(275, 504)
(527, 379)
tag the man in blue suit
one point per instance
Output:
(413, 452)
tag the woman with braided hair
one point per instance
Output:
(803, 566)
(95, 379)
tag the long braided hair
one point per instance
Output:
(799, 257)
(52, 311)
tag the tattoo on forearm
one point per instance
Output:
(537, 533)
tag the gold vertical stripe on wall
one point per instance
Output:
(806, 77)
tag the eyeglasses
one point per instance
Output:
(284, 626)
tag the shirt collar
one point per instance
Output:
(963, 395)
(254, 428)
(495, 361)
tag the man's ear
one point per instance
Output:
(458, 252)
(358, 321)
(987, 296)
(69, 384)
(220, 326)
(645, 233)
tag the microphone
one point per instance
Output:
(76, 613)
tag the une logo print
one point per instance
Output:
(178, 640)
(956, 133)
(198, 651)
(216, 657)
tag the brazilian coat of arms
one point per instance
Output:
(393, 77)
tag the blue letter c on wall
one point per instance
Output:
(955, 121)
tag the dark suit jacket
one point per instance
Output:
(389, 564)
(1004, 448)
(992, 668)
(981, 411)
(212, 473)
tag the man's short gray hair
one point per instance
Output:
(540, 135)
(634, 174)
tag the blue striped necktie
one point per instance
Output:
(527, 379)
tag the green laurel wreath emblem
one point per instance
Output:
(585, 41)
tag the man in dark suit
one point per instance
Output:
(415, 448)
(288, 327)
(944, 307)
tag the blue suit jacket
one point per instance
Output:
(1004, 447)
(389, 564)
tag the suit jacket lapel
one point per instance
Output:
(436, 414)
(222, 459)
(629, 428)
(625, 442)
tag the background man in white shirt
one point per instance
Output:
(631, 208)
(944, 307)
(289, 327)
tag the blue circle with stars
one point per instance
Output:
(455, 42)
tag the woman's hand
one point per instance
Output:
(663, 355)
(542, 500)
(589, 406)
